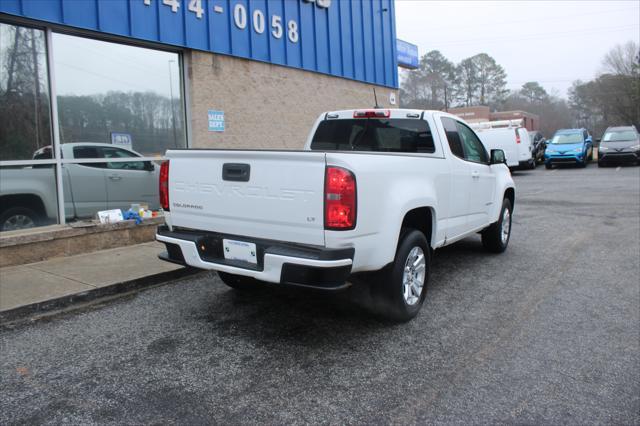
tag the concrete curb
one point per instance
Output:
(23, 313)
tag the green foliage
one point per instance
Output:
(439, 84)
(613, 98)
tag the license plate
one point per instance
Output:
(240, 250)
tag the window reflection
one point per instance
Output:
(27, 197)
(25, 124)
(118, 89)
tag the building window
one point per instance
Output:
(119, 108)
(28, 195)
(118, 94)
(25, 124)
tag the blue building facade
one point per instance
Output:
(354, 39)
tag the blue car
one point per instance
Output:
(569, 146)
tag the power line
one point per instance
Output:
(522, 21)
(588, 31)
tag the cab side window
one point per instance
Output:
(121, 153)
(451, 131)
(88, 152)
(473, 148)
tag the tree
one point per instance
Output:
(613, 98)
(491, 79)
(426, 87)
(480, 80)
(466, 82)
(623, 59)
(533, 92)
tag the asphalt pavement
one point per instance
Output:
(546, 333)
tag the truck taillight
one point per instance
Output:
(372, 113)
(164, 186)
(517, 136)
(339, 199)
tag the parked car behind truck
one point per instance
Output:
(619, 145)
(371, 196)
(511, 137)
(569, 146)
(28, 194)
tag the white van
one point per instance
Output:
(509, 136)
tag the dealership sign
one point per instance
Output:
(347, 38)
(407, 55)
(215, 120)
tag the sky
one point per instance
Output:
(552, 42)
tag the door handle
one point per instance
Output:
(475, 174)
(115, 177)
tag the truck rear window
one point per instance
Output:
(374, 134)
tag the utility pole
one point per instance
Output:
(446, 102)
(36, 92)
(173, 114)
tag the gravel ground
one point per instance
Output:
(548, 332)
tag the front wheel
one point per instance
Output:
(547, 166)
(16, 218)
(402, 286)
(496, 237)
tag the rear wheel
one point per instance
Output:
(16, 218)
(238, 282)
(402, 286)
(496, 237)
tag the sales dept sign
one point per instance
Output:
(216, 121)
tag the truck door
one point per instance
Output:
(130, 182)
(483, 180)
(86, 193)
(457, 222)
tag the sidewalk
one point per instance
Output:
(37, 287)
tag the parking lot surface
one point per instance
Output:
(548, 332)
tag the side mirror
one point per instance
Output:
(497, 157)
(598, 140)
(148, 166)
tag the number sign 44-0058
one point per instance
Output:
(258, 20)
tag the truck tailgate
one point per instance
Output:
(282, 199)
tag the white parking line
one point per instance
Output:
(554, 170)
(618, 168)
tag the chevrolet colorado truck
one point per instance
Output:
(370, 197)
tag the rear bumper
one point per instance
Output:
(278, 262)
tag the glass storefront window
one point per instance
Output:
(121, 94)
(119, 102)
(28, 197)
(116, 104)
(25, 123)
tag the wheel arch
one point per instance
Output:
(422, 219)
(510, 194)
(30, 201)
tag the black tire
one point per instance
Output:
(492, 236)
(238, 282)
(16, 216)
(547, 166)
(389, 288)
(600, 164)
(583, 164)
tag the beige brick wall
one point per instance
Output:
(265, 106)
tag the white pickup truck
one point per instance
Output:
(371, 196)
